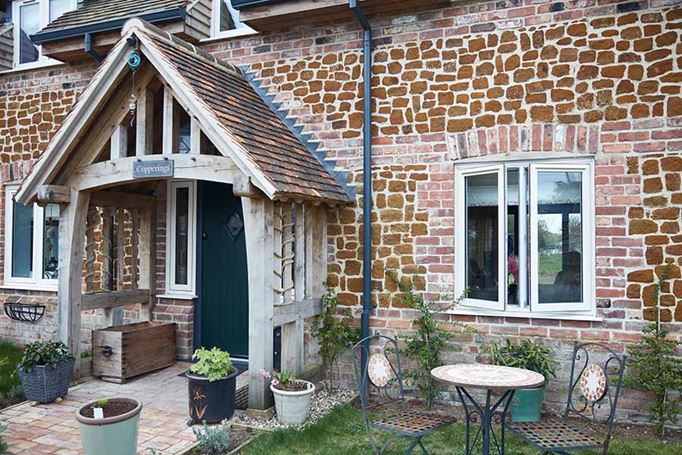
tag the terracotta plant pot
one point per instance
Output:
(293, 407)
(115, 435)
(211, 402)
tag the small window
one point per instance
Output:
(29, 17)
(180, 262)
(32, 244)
(225, 21)
(525, 233)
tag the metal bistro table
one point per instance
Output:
(503, 380)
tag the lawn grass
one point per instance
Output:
(342, 432)
(10, 387)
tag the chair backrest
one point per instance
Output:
(382, 376)
(595, 383)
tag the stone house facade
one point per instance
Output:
(478, 105)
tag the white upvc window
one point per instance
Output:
(225, 21)
(31, 244)
(29, 17)
(524, 237)
(181, 239)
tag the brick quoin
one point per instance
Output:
(469, 80)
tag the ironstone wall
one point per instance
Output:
(478, 78)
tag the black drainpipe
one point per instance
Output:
(90, 49)
(367, 172)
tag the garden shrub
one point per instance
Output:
(214, 440)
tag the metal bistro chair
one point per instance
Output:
(593, 394)
(385, 379)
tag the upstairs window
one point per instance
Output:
(29, 17)
(31, 244)
(225, 22)
(524, 236)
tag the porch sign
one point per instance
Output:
(153, 169)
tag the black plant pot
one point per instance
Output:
(45, 384)
(211, 402)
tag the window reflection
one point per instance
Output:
(51, 242)
(181, 235)
(482, 236)
(559, 236)
(22, 241)
(29, 23)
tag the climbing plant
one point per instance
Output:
(333, 330)
(430, 337)
(657, 367)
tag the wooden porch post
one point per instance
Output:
(72, 223)
(258, 228)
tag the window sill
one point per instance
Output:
(29, 287)
(236, 33)
(176, 296)
(32, 66)
(588, 317)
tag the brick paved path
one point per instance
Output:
(40, 429)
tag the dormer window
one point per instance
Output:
(30, 16)
(225, 21)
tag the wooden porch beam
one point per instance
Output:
(195, 137)
(168, 123)
(72, 222)
(53, 194)
(119, 142)
(106, 300)
(258, 228)
(297, 311)
(144, 134)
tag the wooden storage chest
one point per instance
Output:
(124, 351)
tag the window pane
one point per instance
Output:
(58, 7)
(229, 17)
(513, 237)
(51, 242)
(559, 236)
(22, 241)
(482, 237)
(29, 23)
(181, 235)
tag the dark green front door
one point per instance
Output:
(224, 297)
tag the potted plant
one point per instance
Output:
(292, 397)
(45, 370)
(109, 426)
(212, 384)
(527, 404)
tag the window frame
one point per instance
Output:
(216, 33)
(36, 282)
(44, 6)
(528, 292)
(174, 289)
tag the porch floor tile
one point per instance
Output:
(51, 428)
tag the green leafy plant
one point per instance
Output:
(284, 380)
(44, 353)
(214, 440)
(527, 355)
(212, 363)
(101, 403)
(4, 448)
(657, 368)
(333, 331)
(430, 338)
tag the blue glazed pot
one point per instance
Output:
(526, 405)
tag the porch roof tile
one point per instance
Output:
(270, 143)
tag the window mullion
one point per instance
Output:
(523, 238)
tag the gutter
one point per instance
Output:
(366, 174)
(90, 50)
(170, 15)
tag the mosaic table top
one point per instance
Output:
(481, 376)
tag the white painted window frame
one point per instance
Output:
(175, 290)
(240, 30)
(36, 282)
(528, 294)
(44, 21)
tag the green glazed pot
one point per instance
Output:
(526, 405)
(110, 435)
